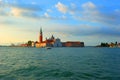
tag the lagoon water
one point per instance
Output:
(87, 63)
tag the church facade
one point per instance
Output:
(51, 42)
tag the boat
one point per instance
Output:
(48, 47)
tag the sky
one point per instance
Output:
(89, 21)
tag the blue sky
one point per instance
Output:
(91, 21)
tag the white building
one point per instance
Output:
(57, 43)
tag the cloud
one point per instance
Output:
(18, 10)
(72, 9)
(46, 15)
(89, 5)
(29, 7)
(64, 17)
(80, 30)
(86, 30)
(91, 13)
(61, 7)
(49, 10)
(22, 12)
(6, 22)
(73, 6)
(30, 11)
(0, 1)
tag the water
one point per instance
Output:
(59, 63)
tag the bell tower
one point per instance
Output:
(41, 36)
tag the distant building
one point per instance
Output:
(57, 43)
(33, 44)
(51, 42)
(111, 45)
(118, 44)
(24, 45)
(73, 44)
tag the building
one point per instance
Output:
(73, 44)
(51, 42)
(32, 44)
(24, 45)
(57, 43)
(118, 44)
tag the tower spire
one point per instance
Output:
(41, 36)
(40, 30)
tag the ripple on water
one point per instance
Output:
(37, 72)
(59, 64)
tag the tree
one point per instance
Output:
(104, 45)
(29, 43)
(107, 45)
(116, 43)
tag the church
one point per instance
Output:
(51, 42)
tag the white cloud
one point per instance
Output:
(90, 8)
(46, 15)
(89, 13)
(49, 10)
(89, 5)
(64, 8)
(72, 9)
(19, 10)
(61, 7)
(16, 11)
(0, 0)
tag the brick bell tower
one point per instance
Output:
(41, 36)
